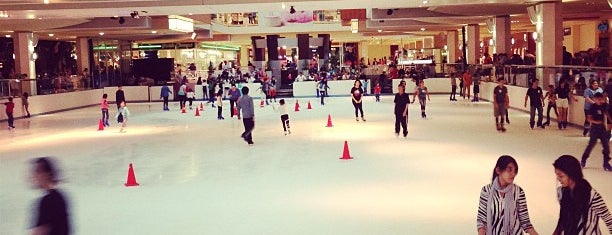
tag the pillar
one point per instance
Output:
(244, 56)
(501, 35)
(82, 50)
(273, 61)
(549, 42)
(452, 39)
(473, 43)
(23, 43)
(304, 52)
(258, 52)
(324, 51)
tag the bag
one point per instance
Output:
(120, 118)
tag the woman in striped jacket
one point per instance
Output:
(503, 206)
(581, 205)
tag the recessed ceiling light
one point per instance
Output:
(40, 18)
(190, 14)
(422, 29)
(425, 1)
(153, 32)
(380, 30)
(101, 33)
(51, 35)
(46, 1)
(4, 14)
(8, 35)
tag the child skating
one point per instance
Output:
(122, 116)
(104, 107)
(423, 94)
(377, 90)
(282, 109)
(552, 104)
(190, 97)
(10, 106)
(220, 105)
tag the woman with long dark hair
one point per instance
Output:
(503, 205)
(581, 205)
(356, 95)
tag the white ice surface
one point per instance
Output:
(197, 176)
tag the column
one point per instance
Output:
(304, 53)
(244, 56)
(549, 41)
(82, 50)
(324, 51)
(274, 62)
(452, 46)
(23, 44)
(258, 52)
(473, 43)
(502, 36)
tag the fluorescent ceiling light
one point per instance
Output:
(180, 24)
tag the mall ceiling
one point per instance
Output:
(383, 18)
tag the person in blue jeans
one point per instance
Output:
(589, 93)
(596, 116)
(536, 102)
(165, 93)
(234, 94)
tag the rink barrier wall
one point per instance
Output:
(45, 104)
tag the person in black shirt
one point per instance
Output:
(608, 90)
(563, 94)
(500, 104)
(119, 96)
(52, 217)
(536, 101)
(401, 101)
(599, 118)
(356, 94)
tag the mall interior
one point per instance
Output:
(197, 177)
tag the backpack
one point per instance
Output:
(120, 118)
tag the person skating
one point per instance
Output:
(599, 116)
(26, 104)
(476, 87)
(104, 108)
(453, 80)
(581, 206)
(10, 106)
(234, 94)
(536, 102)
(500, 104)
(119, 96)
(182, 95)
(165, 93)
(467, 83)
(423, 95)
(502, 208)
(563, 96)
(52, 213)
(282, 109)
(377, 90)
(588, 101)
(122, 116)
(401, 100)
(552, 104)
(190, 97)
(220, 105)
(356, 96)
(322, 87)
(246, 107)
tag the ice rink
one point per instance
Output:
(197, 176)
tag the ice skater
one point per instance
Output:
(10, 106)
(26, 104)
(563, 95)
(119, 96)
(467, 83)
(500, 104)
(220, 105)
(552, 104)
(182, 95)
(599, 117)
(581, 206)
(282, 109)
(356, 96)
(377, 90)
(122, 116)
(234, 94)
(536, 102)
(588, 101)
(453, 80)
(190, 97)
(245, 104)
(322, 87)
(423, 94)
(165, 93)
(52, 214)
(104, 108)
(502, 208)
(476, 87)
(402, 99)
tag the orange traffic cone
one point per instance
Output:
(261, 104)
(309, 107)
(329, 121)
(235, 111)
(100, 125)
(131, 179)
(201, 107)
(297, 106)
(197, 113)
(345, 154)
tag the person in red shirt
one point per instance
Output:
(377, 92)
(9, 112)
